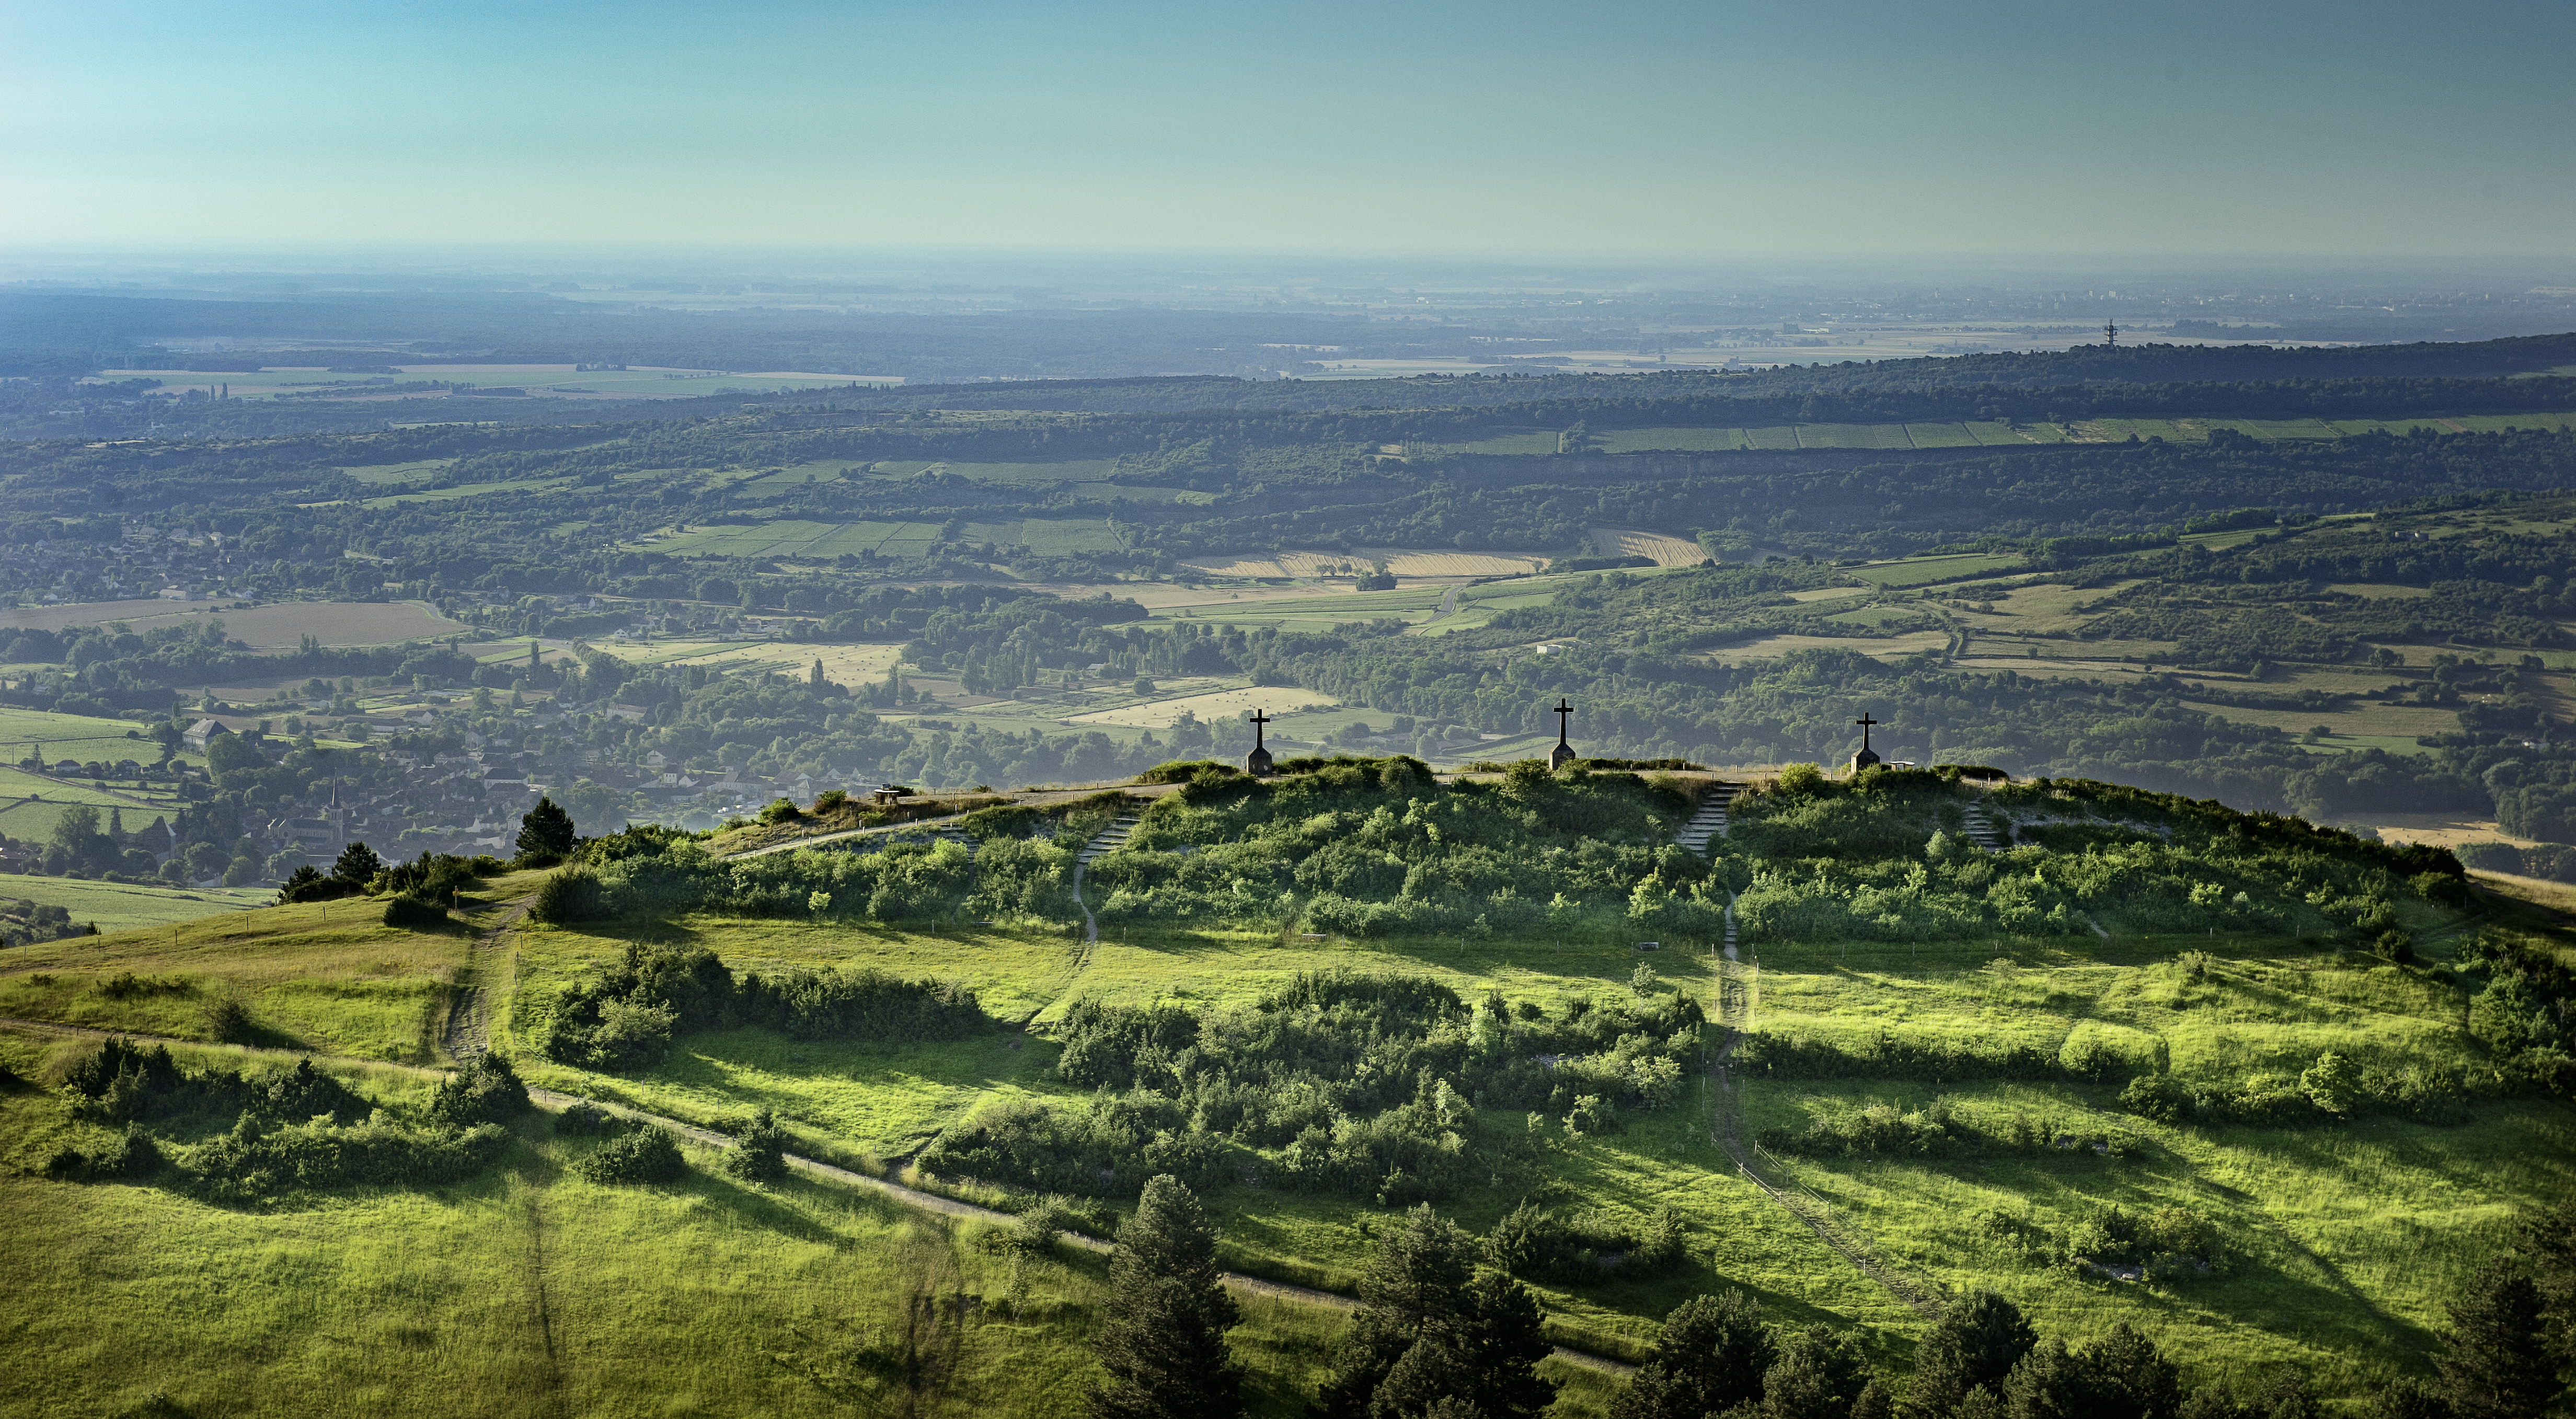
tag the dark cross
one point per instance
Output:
(1562, 712)
(1260, 717)
(1865, 722)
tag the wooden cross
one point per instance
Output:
(1562, 713)
(1865, 722)
(1260, 717)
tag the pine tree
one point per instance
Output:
(2497, 1363)
(1712, 1356)
(1432, 1332)
(814, 678)
(357, 864)
(545, 833)
(1820, 1375)
(1163, 1340)
(1975, 1344)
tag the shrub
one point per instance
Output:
(761, 1154)
(253, 1164)
(781, 810)
(570, 895)
(133, 1157)
(648, 1155)
(229, 1022)
(305, 884)
(484, 1090)
(413, 914)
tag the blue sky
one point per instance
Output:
(1707, 130)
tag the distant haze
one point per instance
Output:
(1698, 131)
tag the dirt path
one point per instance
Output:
(909, 1197)
(467, 1034)
(1726, 1128)
(967, 1211)
(1039, 799)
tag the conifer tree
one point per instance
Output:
(545, 833)
(2497, 1363)
(1973, 1346)
(1163, 1341)
(1712, 1356)
(1434, 1334)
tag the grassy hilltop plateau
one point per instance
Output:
(590, 897)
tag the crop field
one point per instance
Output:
(1880, 648)
(1666, 550)
(1665, 441)
(414, 471)
(29, 805)
(1412, 604)
(796, 537)
(1209, 708)
(1923, 571)
(1853, 436)
(540, 380)
(850, 666)
(72, 736)
(275, 625)
(1308, 566)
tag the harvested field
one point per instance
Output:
(1665, 550)
(1222, 705)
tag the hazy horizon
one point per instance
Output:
(1651, 134)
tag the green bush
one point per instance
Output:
(254, 1163)
(761, 1153)
(484, 1090)
(568, 896)
(413, 914)
(647, 1155)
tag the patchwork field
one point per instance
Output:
(1923, 571)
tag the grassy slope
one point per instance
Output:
(530, 1291)
(2345, 1238)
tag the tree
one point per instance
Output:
(761, 1156)
(2496, 1361)
(1430, 1329)
(1820, 1375)
(545, 834)
(1163, 1337)
(1711, 1356)
(357, 864)
(1975, 1344)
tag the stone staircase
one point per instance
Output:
(1709, 823)
(1981, 828)
(1111, 839)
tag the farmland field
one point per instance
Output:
(1923, 571)
(1666, 550)
(1220, 705)
(1881, 648)
(275, 625)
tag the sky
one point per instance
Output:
(1710, 130)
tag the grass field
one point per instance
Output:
(327, 976)
(1923, 571)
(127, 906)
(1881, 648)
(275, 625)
